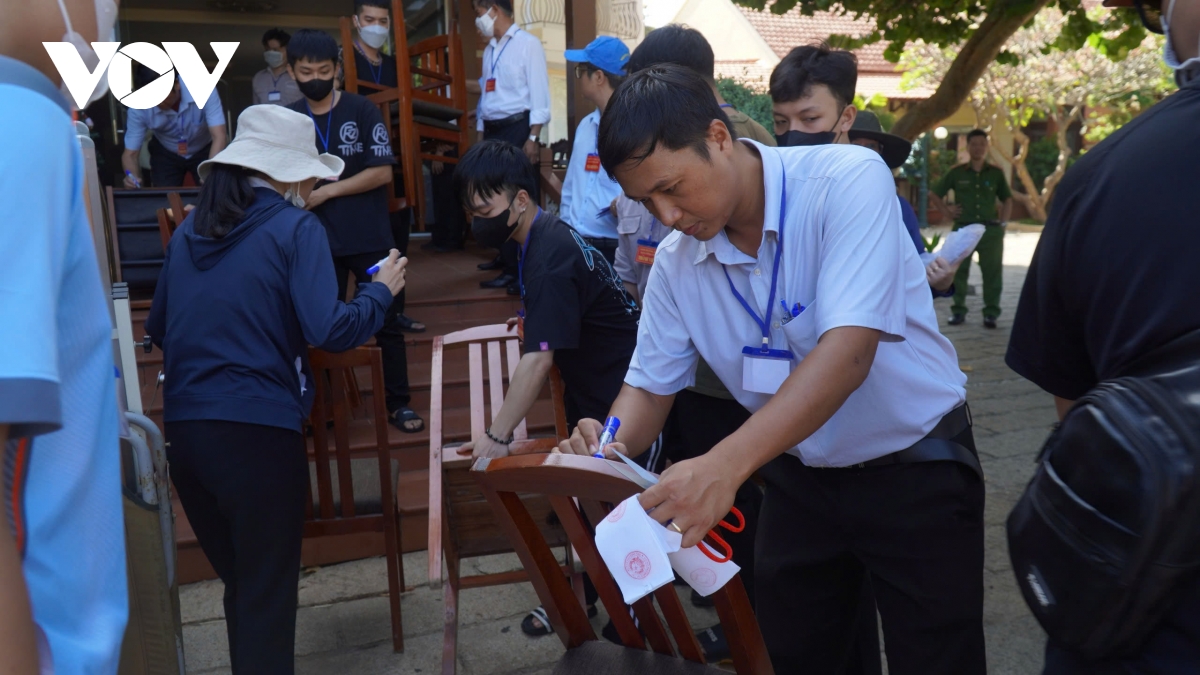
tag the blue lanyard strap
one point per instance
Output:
(323, 138)
(496, 60)
(521, 255)
(275, 80)
(765, 322)
(376, 76)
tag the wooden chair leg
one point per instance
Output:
(450, 634)
(395, 567)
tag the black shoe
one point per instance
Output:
(495, 264)
(514, 289)
(499, 282)
(989, 322)
(715, 646)
(957, 319)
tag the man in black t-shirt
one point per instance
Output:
(577, 314)
(354, 208)
(1093, 303)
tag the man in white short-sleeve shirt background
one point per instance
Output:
(789, 273)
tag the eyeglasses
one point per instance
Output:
(581, 69)
(1151, 13)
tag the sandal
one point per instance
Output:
(408, 325)
(402, 416)
(715, 646)
(539, 615)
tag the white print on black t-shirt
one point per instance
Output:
(380, 135)
(349, 135)
(594, 258)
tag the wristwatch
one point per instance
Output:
(533, 138)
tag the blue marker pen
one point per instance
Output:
(136, 182)
(607, 435)
(374, 269)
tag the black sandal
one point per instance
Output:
(410, 325)
(715, 646)
(539, 614)
(401, 416)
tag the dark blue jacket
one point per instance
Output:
(234, 316)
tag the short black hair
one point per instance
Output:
(805, 66)
(505, 6)
(382, 4)
(976, 132)
(276, 34)
(674, 43)
(490, 168)
(614, 81)
(668, 105)
(313, 46)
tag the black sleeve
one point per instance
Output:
(377, 141)
(1047, 345)
(553, 310)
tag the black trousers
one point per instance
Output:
(400, 222)
(390, 338)
(450, 224)
(243, 487)
(168, 168)
(514, 131)
(915, 529)
(696, 424)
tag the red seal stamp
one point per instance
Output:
(703, 578)
(637, 565)
(616, 514)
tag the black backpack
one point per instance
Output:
(1109, 526)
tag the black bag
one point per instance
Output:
(1110, 524)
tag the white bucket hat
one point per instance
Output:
(278, 142)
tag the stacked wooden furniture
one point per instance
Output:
(136, 235)
(572, 483)
(461, 522)
(169, 218)
(427, 109)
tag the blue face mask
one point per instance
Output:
(1185, 71)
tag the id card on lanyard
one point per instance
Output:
(646, 248)
(764, 369)
(490, 84)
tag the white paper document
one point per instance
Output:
(957, 245)
(641, 554)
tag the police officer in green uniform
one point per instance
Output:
(978, 187)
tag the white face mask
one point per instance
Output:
(273, 58)
(1187, 70)
(106, 31)
(373, 35)
(293, 195)
(486, 24)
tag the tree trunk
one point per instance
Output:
(1003, 19)
(1064, 151)
(1032, 199)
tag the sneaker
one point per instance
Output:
(957, 319)
(989, 322)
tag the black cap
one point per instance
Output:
(895, 149)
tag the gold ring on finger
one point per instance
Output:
(675, 527)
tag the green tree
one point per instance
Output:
(756, 104)
(978, 29)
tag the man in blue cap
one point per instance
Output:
(588, 192)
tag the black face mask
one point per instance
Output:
(315, 89)
(494, 231)
(794, 138)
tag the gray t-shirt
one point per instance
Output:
(265, 83)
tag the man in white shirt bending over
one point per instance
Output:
(790, 274)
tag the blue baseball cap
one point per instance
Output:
(606, 53)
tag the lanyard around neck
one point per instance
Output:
(324, 138)
(765, 322)
(521, 254)
(496, 60)
(377, 76)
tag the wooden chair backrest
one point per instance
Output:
(597, 485)
(170, 218)
(333, 380)
(460, 495)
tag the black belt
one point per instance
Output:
(506, 121)
(936, 446)
(602, 243)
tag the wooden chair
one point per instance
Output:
(461, 523)
(170, 218)
(597, 485)
(429, 107)
(364, 499)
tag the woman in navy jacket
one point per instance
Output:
(247, 286)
